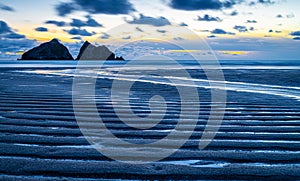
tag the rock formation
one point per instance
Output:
(52, 50)
(92, 52)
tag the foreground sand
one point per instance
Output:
(40, 139)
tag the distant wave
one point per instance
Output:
(283, 91)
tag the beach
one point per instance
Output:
(259, 137)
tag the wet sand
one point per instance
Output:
(40, 138)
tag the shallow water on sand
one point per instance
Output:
(259, 136)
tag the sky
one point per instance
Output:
(230, 29)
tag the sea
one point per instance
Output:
(102, 120)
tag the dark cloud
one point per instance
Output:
(77, 23)
(295, 33)
(279, 16)
(221, 32)
(89, 23)
(285, 16)
(234, 13)
(41, 29)
(4, 28)
(161, 31)
(147, 20)
(296, 38)
(57, 23)
(12, 42)
(264, 2)
(13, 46)
(251, 29)
(241, 29)
(126, 38)
(92, 22)
(212, 36)
(81, 32)
(6, 8)
(77, 38)
(14, 36)
(251, 21)
(64, 9)
(178, 38)
(183, 24)
(7, 32)
(208, 18)
(192, 5)
(95, 7)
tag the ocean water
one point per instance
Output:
(259, 135)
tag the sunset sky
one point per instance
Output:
(234, 29)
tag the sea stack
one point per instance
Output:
(92, 52)
(52, 50)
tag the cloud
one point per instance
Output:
(147, 20)
(57, 23)
(296, 38)
(183, 24)
(178, 38)
(12, 42)
(89, 23)
(251, 21)
(264, 2)
(221, 32)
(76, 38)
(212, 36)
(64, 9)
(95, 7)
(81, 32)
(139, 29)
(295, 33)
(6, 8)
(270, 31)
(192, 5)
(161, 31)
(4, 28)
(234, 13)
(41, 29)
(14, 36)
(286, 16)
(208, 18)
(241, 29)
(290, 15)
(126, 38)
(77, 23)
(7, 32)
(92, 22)
(105, 36)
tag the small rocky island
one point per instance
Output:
(91, 52)
(54, 50)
